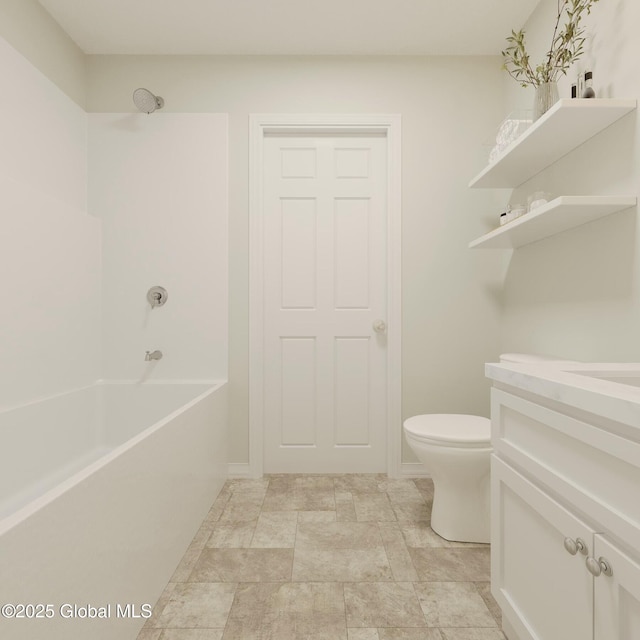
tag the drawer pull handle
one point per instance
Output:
(573, 546)
(599, 566)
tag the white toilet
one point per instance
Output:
(456, 450)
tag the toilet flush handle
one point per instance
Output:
(379, 326)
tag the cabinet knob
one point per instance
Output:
(599, 566)
(573, 546)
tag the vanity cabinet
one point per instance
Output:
(565, 507)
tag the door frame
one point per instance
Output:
(314, 124)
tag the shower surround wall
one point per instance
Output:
(49, 247)
(76, 288)
(159, 184)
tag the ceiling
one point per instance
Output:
(290, 27)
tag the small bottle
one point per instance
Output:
(574, 90)
(588, 86)
(503, 218)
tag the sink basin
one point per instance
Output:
(629, 378)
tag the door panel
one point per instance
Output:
(352, 253)
(351, 391)
(298, 388)
(298, 224)
(617, 597)
(325, 283)
(546, 593)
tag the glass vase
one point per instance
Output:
(546, 96)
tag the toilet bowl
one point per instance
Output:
(456, 449)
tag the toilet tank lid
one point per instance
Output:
(528, 357)
(450, 427)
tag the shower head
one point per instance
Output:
(146, 102)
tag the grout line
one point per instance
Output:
(344, 602)
(235, 594)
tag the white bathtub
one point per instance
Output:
(101, 491)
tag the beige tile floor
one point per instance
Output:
(326, 558)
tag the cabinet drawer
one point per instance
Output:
(594, 470)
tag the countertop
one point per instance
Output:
(577, 384)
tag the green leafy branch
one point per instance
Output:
(567, 46)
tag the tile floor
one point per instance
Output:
(326, 558)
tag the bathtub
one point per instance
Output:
(101, 491)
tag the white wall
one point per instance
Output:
(31, 30)
(577, 294)
(49, 246)
(159, 184)
(451, 305)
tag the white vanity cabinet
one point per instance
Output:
(565, 506)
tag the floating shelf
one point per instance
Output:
(564, 127)
(565, 212)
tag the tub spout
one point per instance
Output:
(153, 355)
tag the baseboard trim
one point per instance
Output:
(239, 470)
(508, 630)
(413, 470)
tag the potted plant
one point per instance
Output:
(567, 45)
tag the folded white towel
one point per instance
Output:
(509, 130)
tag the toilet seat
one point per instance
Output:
(450, 430)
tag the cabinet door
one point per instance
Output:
(545, 592)
(617, 597)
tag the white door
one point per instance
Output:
(325, 297)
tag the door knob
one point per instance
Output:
(379, 326)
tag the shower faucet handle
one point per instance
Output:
(157, 296)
